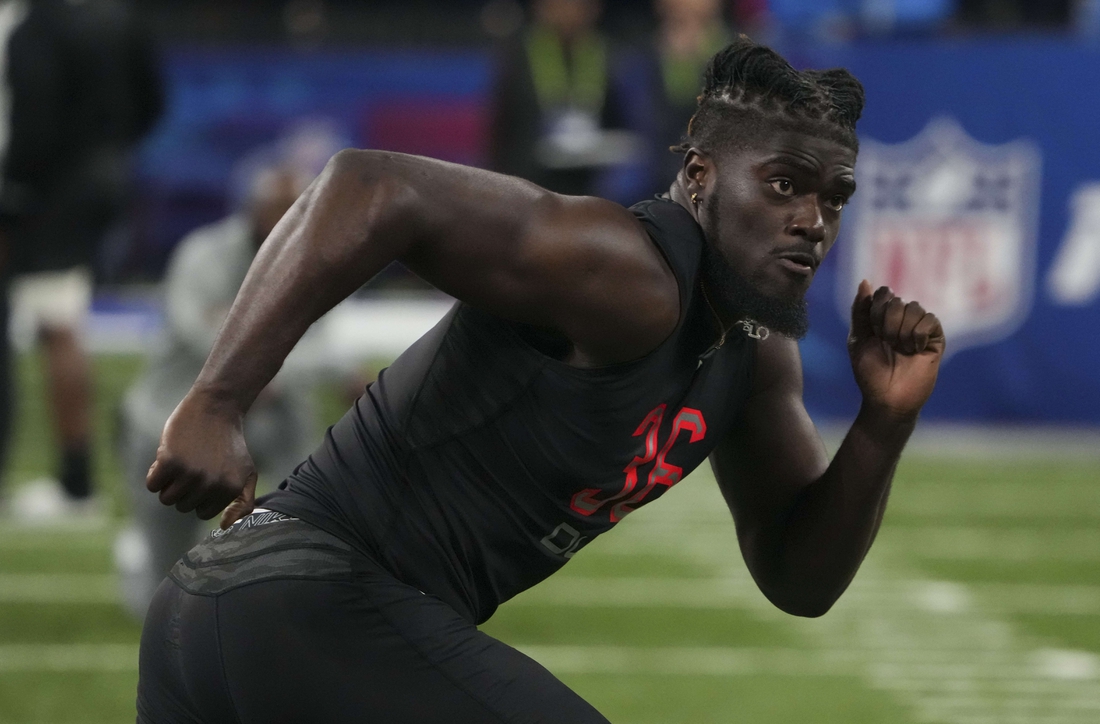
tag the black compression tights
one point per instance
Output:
(363, 649)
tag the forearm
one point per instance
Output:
(817, 544)
(804, 523)
(338, 235)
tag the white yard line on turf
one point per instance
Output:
(691, 661)
(28, 538)
(1077, 543)
(641, 592)
(954, 659)
(718, 593)
(943, 649)
(72, 588)
(27, 658)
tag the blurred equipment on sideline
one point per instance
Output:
(83, 89)
(556, 118)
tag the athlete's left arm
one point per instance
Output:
(805, 524)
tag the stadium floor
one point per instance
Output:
(980, 603)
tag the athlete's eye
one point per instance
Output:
(782, 186)
(836, 202)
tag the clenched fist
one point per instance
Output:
(895, 348)
(203, 463)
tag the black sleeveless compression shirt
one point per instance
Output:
(477, 465)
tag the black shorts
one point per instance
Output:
(278, 621)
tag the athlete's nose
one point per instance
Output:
(808, 222)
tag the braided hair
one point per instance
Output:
(750, 90)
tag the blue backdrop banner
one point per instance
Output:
(979, 179)
(979, 194)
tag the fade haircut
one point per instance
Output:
(749, 90)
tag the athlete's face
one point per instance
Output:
(771, 212)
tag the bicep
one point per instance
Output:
(775, 451)
(498, 243)
(580, 265)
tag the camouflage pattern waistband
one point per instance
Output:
(265, 545)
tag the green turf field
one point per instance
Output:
(980, 604)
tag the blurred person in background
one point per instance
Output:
(83, 88)
(689, 33)
(556, 118)
(203, 277)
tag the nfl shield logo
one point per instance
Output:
(951, 223)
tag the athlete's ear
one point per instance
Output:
(698, 169)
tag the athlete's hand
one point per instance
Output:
(203, 463)
(896, 348)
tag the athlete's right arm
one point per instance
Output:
(578, 265)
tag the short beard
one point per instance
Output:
(737, 293)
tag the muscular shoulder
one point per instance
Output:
(579, 265)
(619, 298)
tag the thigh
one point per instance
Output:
(179, 667)
(371, 649)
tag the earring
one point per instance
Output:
(695, 199)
